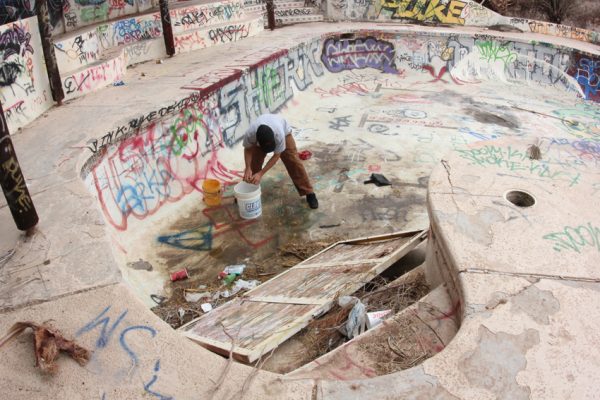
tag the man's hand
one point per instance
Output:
(248, 175)
(256, 178)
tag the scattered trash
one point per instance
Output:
(179, 275)
(378, 180)
(305, 155)
(158, 299)
(237, 269)
(119, 83)
(345, 301)
(229, 278)
(180, 312)
(376, 317)
(47, 342)
(192, 297)
(286, 256)
(246, 285)
(225, 294)
(159, 61)
(239, 285)
(206, 307)
(357, 320)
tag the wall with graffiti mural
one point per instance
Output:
(24, 88)
(106, 50)
(79, 13)
(452, 12)
(447, 12)
(69, 15)
(85, 48)
(161, 157)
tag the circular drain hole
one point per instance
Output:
(520, 198)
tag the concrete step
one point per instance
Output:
(110, 68)
(191, 15)
(283, 4)
(255, 8)
(298, 19)
(288, 4)
(218, 34)
(296, 12)
(86, 46)
(287, 12)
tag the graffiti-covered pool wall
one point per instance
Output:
(161, 157)
(24, 87)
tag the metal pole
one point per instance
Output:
(41, 8)
(270, 14)
(13, 183)
(165, 17)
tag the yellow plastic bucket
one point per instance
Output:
(212, 192)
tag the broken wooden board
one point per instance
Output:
(273, 312)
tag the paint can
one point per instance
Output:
(212, 192)
(179, 275)
(248, 200)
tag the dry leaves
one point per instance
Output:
(47, 342)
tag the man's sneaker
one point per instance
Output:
(312, 201)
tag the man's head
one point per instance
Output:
(265, 138)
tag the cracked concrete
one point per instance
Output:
(498, 359)
(520, 287)
(537, 304)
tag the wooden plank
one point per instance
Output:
(286, 332)
(338, 264)
(276, 310)
(315, 283)
(384, 236)
(248, 322)
(365, 239)
(347, 252)
(217, 346)
(285, 300)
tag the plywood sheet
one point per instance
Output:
(248, 323)
(316, 283)
(276, 310)
(350, 251)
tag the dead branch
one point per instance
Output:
(398, 352)
(252, 375)
(229, 361)
(431, 329)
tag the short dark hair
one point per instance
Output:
(265, 138)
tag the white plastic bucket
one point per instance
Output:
(248, 199)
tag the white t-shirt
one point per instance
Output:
(277, 123)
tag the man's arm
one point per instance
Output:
(257, 177)
(248, 161)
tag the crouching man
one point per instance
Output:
(271, 133)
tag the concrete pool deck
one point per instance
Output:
(525, 331)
